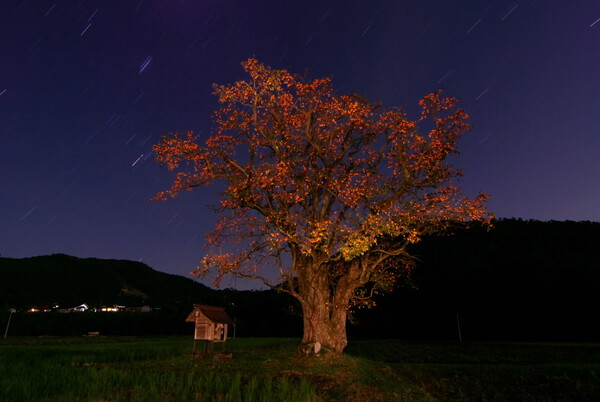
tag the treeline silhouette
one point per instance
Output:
(519, 281)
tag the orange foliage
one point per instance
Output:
(330, 179)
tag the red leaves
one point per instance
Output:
(329, 176)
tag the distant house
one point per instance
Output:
(79, 309)
(138, 309)
(211, 323)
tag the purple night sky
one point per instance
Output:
(87, 87)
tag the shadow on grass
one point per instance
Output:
(492, 371)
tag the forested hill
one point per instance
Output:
(70, 281)
(521, 280)
(527, 280)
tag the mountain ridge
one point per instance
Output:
(67, 280)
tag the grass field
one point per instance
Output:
(269, 369)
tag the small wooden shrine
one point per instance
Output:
(211, 325)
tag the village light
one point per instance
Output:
(12, 310)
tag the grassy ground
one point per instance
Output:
(259, 369)
(492, 371)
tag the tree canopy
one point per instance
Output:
(329, 188)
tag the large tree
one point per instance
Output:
(330, 189)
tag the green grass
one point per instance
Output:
(269, 369)
(492, 371)
(132, 369)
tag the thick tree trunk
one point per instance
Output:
(325, 310)
(325, 325)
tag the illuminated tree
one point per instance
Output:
(330, 189)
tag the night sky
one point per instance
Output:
(87, 87)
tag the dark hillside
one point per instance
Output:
(521, 280)
(69, 281)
